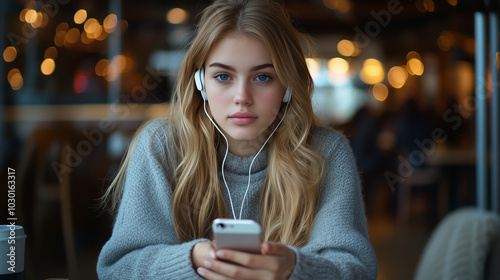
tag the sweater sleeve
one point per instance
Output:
(143, 244)
(338, 246)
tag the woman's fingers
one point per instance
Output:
(210, 275)
(200, 252)
(249, 260)
(277, 260)
(217, 269)
(273, 248)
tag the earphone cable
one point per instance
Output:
(224, 160)
(250, 169)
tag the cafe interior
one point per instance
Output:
(411, 83)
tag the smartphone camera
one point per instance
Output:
(220, 226)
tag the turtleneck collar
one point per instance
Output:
(240, 165)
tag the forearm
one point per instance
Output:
(340, 266)
(159, 261)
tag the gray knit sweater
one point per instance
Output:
(143, 244)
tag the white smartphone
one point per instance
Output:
(241, 235)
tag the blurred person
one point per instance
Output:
(242, 133)
(365, 127)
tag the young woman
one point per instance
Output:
(241, 141)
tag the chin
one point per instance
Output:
(244, 137)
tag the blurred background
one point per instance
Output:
(79, 76)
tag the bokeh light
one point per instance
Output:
(338, 66)
(9, 54)
(415, 67)
(22, 15)
(102, 67)
(397, 76)
(59, 38)
(48, 66)
(413, 54)
(177, 16)
(380, 92)
(110, 22)
(80, 83)
(15, 79)
(445, 40)
(96, 32)
(39, 20)
(372, 71)
(342, 6)
(116, 66)
(63, 26)
(12, 72)
(80, 16)
(429, 5)
(50, 52)
(346, 48)
(91, 25)
(30, 16)
(71, 37)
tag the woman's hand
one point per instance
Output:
(276, 262)
(202, 251)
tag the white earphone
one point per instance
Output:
(199, 80)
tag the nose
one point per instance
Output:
(243, 95)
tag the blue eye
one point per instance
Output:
(263, 78)
(222, 77)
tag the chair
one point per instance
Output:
(464, 245)
(426, 177)
(43, 147)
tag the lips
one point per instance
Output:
(242, 118)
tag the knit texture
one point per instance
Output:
(143, 244)
(459, 247)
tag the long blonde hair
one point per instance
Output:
(289, 196)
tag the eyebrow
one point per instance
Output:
(230, 68)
